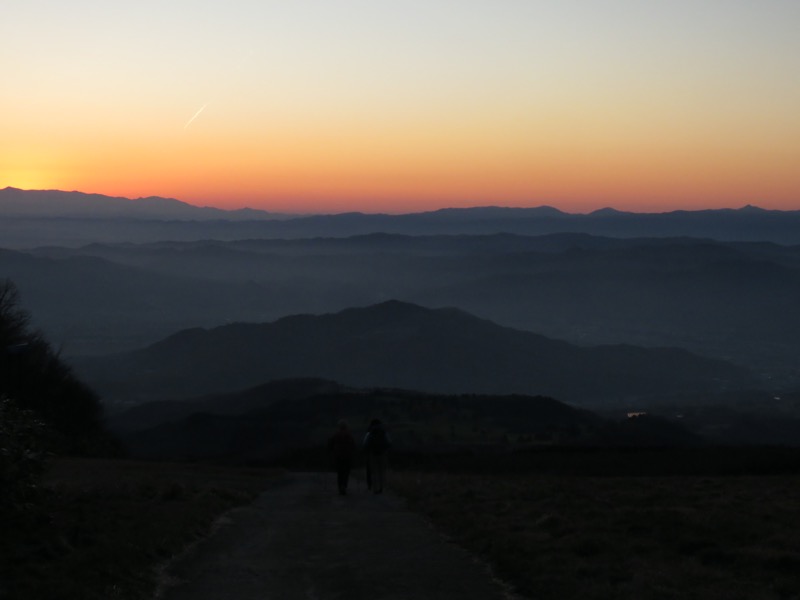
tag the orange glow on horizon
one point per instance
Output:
(404, 167)
(514, 104)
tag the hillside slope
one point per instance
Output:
(396, 344)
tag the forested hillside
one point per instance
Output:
(44, 409)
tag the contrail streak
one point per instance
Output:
(197, 114)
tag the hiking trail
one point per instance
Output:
(301, 540)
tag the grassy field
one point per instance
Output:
(564, 537)
(101, 528)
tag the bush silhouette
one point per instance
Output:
(22, 457)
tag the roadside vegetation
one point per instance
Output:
(633, 537)
(100, 529)
(76, 521)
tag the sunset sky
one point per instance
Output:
(395, 106)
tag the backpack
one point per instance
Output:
(377, 442)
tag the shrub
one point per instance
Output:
(22, 457)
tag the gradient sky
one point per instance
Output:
(394, 106)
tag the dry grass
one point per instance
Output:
(641, 538)
(102, 527)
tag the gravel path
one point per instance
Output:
(300, 540)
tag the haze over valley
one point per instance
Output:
(701, 329)
(722, 298)
(633, 320)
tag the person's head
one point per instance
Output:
(342, 425)
(375, 423)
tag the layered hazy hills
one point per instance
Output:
(88, 302)
(397, 344)
(35, 218)
(732, 301)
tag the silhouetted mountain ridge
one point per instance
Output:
(72, 218)
(75, 205)
(401, 345)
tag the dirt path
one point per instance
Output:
(301, 540)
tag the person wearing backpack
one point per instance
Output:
(377, 444)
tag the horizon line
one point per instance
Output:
(301, 214)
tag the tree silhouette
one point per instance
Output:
(34, 378)
(13, 320)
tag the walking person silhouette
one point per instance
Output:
(377, 444)
(343, 447)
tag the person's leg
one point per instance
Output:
(375, 473)
(378, 473)
(345, 474)
(340, 476)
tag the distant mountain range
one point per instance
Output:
(50, 204)
(401, 345)
(38, 218)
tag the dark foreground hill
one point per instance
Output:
(402, 345)
(289, 421)
(292, 419)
